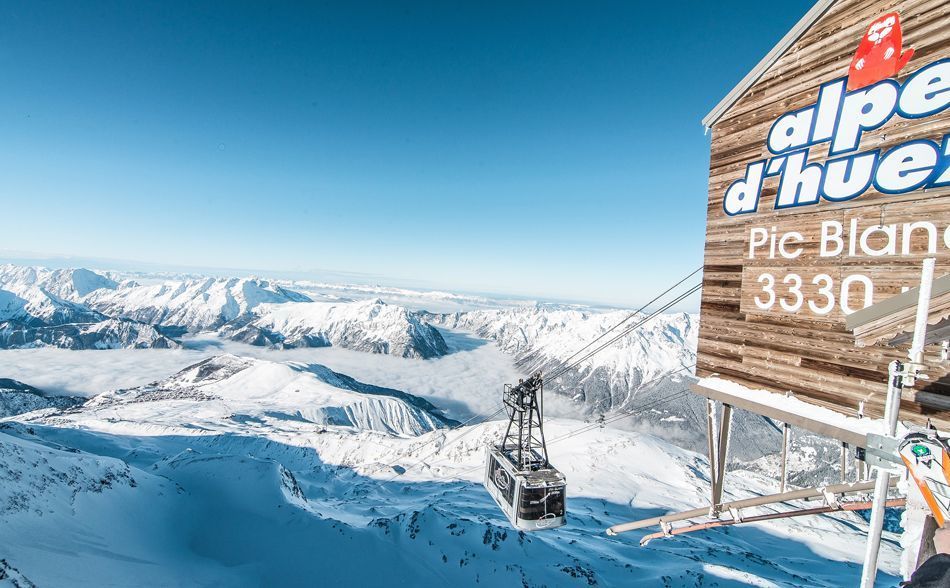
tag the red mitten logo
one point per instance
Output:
(880, 54)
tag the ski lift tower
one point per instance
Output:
(524, 437)
(518, 475)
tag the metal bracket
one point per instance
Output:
(831, 499)
(736, 515)
(883, 452)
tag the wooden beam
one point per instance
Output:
(852, 438)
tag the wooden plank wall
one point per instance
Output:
(815, 357)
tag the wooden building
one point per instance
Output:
(828, 186)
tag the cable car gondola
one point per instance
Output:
(518, 475)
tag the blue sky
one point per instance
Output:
(549, 149)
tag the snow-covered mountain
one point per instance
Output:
(372, 326)
(246, 472)
(31, 316)
(68, 284)
(543, 337)
(548, 337)
(644, 374)
(190, 305)
(18, 398)
(228, 388)
(105, 334)
(80, 309)
(221, 475)
(32, 306)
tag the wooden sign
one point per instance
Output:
(829, 184)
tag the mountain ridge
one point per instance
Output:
(18, 398)
(230, 388)
(372, 326)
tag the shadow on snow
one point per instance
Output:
(240, 512)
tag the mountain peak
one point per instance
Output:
(71, 284)
(285, 394)
(371, 326)
(193, 305)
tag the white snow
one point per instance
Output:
(261, 467)
(229, 392)
(371, 326)
(40, 307)
(860, 426)
(464, 383)
(664, 344)
(415, 299)
(28, 303)
(69, 284)
(193, 304)
(288, 503)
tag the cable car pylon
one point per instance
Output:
(518, 475)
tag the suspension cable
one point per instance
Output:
(624, 333)
(590, 426)
(566, 366)
(634, 313)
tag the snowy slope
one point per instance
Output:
(31, 305)
(18, 398)
(192, 305)
(69, 284)
(275, 501)
(31, 316)
(239, 391)
(106, 334)
(644, 374)
(543, 337)
(372, 326)
(81, 519)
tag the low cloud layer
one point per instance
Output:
(465, 383)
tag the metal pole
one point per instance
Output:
(786, 433)
(876, 524)
(896, 502)
(721, 456)
(844, 463)
(520, 428)
(531, 406)
(916, 353)
(800, 494)
(711, 439)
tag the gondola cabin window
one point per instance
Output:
(503, 481)
(539, 502)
